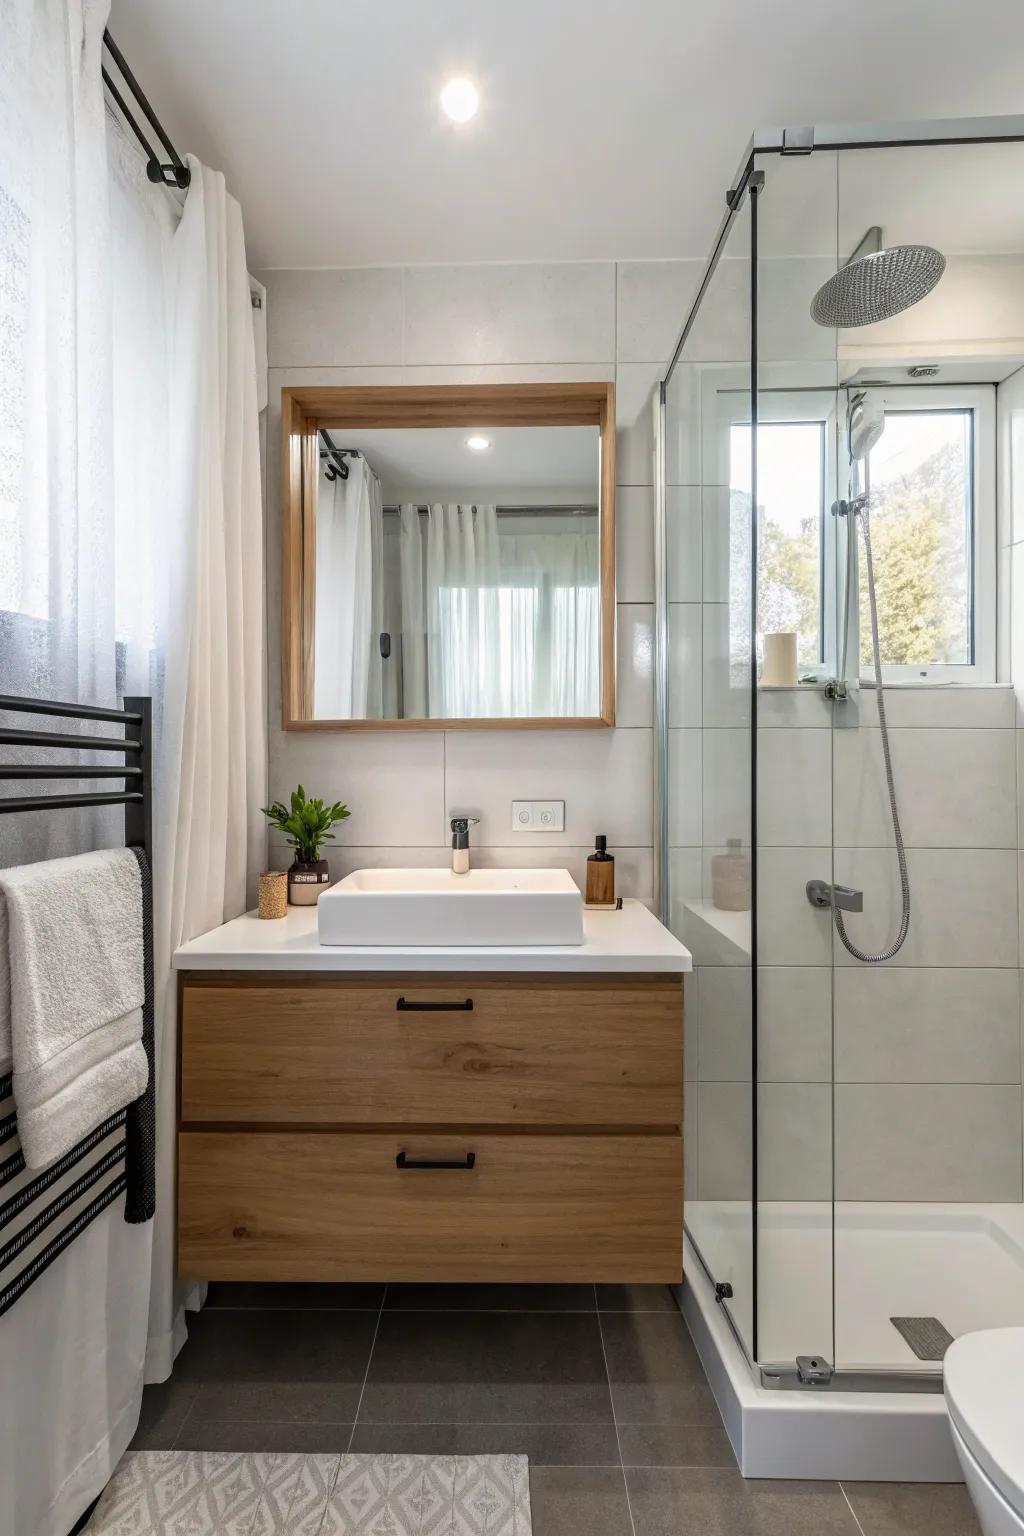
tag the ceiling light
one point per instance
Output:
(460, 100)
(478, 443)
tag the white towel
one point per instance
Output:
(72, 932)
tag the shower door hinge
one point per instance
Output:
(813, 1370)
(797, 141)
(723, 1291)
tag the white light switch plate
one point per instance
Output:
(538, 815)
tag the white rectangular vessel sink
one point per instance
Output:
(434, 906)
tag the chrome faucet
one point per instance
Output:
(460, 843)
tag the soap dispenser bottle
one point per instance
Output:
(600, 875)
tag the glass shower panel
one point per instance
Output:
(707, 879)
(795, 478)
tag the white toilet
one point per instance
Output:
(984, 1384)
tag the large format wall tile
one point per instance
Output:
(634, 544)
(338, 317)
(955, 788)
(634, 703)
(522, 313)
(794, 1024)
(794, 1141)
(634, 417)
(726, 786)
(959, 708)
(964, 905)
(654, 298)
(790, 930)
(684, 788)
(724, 1150)
(912, 1141)
(794, 787)
(604, 777)
(927, 1026)
(393, 783)
(683, 543)
(726, 1013)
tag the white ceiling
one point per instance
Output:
(521, 465)
(607, 128)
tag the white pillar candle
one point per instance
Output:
(779, 670)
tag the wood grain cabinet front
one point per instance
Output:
(428, 1128)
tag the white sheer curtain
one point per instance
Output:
(496, 624)
(347, 666)
(130, 560)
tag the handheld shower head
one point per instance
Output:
(866, 424)
(878, 286)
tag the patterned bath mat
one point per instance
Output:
(212, 1493)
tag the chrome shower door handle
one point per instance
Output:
(821, 894)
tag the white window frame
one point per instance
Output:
(980, 399)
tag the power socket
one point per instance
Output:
(538, 815)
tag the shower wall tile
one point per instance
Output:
(683, 543)
(341, 317)
(520, 313)
(634, 544)
(634, 420)
(684, 788)
(965, 905)
(726, 1011)
(685, 649)
(794, 787)
(927, 1026)
(790, 930)
(635, 665)
(683, 395)
(654, 299)
(806, 707)
(716, 545)
(725, 665)
(956, 788)
(725, 1147)
(726, 782)
(794, 1141)
(953, 708)
(927, 1142)
(794, 1024)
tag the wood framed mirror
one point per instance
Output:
(448, 556)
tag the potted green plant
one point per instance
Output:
(306, 824)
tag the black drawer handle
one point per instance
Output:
(405, 1006)
(403, 1160)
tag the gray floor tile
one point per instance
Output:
(579, 1501)
(164, 1409)
(485, 1368)
(675, 1445)
(718, 1502)
(635, 1298)
(547, 1445)
(490, 1298)
(277, 1365)
(198, 1434)
(273, 1298)
(913, 1509)
(655, 1372)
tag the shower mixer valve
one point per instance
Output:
(821, 894)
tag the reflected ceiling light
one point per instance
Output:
(460, 100)
(478, 443)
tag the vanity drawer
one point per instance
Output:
(270, 1205)
(601, 1051)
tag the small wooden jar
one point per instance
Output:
(273, 893)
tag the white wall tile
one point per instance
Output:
(684, 788)
(794, 1141)
(392, 782)
(927, 1142)
(726, 782)
(634, 683)
(927, 1026)
(953, 708)
(794, 787)
(343, 860)
(804, 706)
(683, 543)
(794, 1024)
(529, 312)
(654, 299)
(685, 675)
(634, 544)
(634, 867)
(790, 930)
(964, 905)
(725, 1151)
(726, 1022)
(955, 788)
(683, 426)
(349, 316)
(634, 421)
(604, 777)
(715, 503)
(726, 665)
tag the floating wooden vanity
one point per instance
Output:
(414, 1125)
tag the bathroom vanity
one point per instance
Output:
(431, 1114)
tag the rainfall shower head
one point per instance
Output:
(877, 286)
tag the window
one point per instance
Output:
(930, 478)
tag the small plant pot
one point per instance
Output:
(273, 893)
(307, 880)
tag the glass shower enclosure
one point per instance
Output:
(841, 857)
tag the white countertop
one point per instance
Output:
(629, 940)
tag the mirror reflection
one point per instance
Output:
(457, 573)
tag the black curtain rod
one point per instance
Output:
(173, 174)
